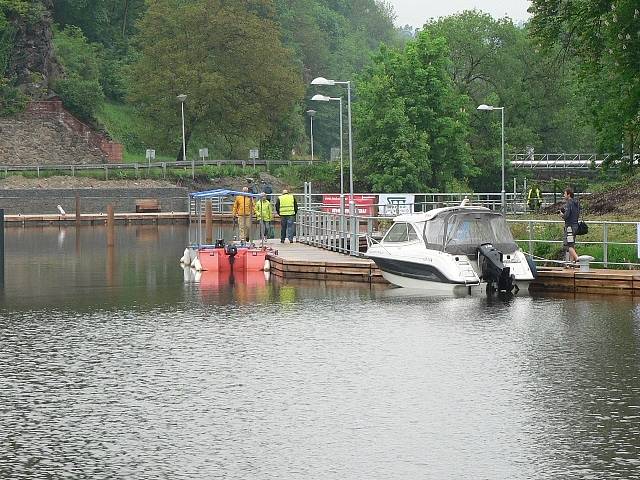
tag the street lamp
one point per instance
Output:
(181, 98)
(490, 108)
(323, 98)
(324, 81)
(311, 114)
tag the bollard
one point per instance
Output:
(77, 209)
(208, 222)
(110, 226)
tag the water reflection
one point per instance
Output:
(123, 365)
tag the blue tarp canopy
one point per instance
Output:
(221, 192)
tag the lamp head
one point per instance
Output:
(484, 107)
(182, 97)
(311, 113)
(322, 81)
(320, 98)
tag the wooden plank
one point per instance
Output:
(303, 268)
(349, 270)
(605, 291)
(603, 283)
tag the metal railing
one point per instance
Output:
(109, 168)
(343, 234)
(551, 161)
(599, 235)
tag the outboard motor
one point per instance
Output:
(219, 243)
(231, 251)
(497, 276)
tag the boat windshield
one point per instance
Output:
(400, 232)
(464, 232)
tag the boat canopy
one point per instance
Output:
(462, 231)
(221, 192)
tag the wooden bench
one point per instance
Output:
(147, 205)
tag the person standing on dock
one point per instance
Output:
(264, 215)
(287, 208)
(242, 210)
(570, 213)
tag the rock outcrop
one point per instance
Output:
(32, 63)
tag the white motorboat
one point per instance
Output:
(451, 249)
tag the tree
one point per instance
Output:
(110, 22)
(79, 87)
(603, 35)
(494, 62)
(228, 59)
(411, 126)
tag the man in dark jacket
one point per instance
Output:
(570, 213)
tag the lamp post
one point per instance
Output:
(489, 108)
(181, 98)
(323, 98)
(324, 81)
(311, 113)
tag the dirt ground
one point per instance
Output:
(233, 183)
(621, 201)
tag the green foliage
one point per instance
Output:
(239, 79)
(124, 125)
(110, 22)
(412, 128)
(79, 88)
(12, 100)
(495, 62)
(325, 176)
(603, 36)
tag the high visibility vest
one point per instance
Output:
(534, 192)
(286, 205)
(263, 210)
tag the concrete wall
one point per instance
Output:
(92, 200)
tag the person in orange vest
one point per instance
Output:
(242, 210)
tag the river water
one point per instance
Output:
(114, 364)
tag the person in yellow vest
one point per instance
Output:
(534, 199)
(242, 210)
(264, 214)
(287, 208)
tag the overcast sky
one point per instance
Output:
(417, 12)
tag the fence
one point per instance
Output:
(343, 233)
(108, 169)
(607, 235)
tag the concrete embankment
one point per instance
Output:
(39, 201)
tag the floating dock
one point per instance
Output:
(96, 219)
(595, 281)
(296, 260)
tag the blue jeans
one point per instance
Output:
(287, 227)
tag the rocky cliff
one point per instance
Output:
(32, 63)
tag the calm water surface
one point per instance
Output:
(115, 364)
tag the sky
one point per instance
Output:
(417, 12)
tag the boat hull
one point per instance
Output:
(217, 259)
